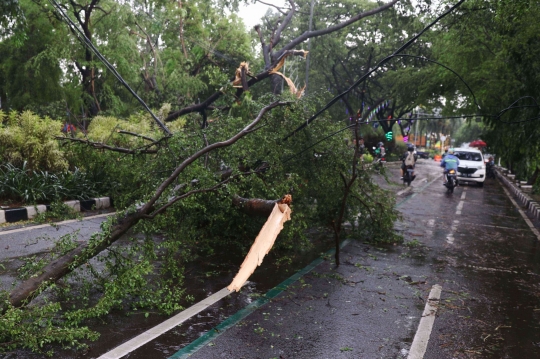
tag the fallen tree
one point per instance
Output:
(55, 270)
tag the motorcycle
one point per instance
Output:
(378, 159)
(407, 176)
(451, 180)
(490, 172)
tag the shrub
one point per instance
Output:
(26, 137)
(32, 187)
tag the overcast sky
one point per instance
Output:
(252, 13)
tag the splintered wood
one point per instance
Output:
(262, 245)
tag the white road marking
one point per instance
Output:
(491, 269)
(55, 223)
(421, 338)
(460, 204)
(450, 237)
(527, 220)
(167, 325)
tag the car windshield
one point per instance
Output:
(468, 156)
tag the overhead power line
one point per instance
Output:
(82, 37)
(368, 73)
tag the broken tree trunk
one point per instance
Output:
(259, 207)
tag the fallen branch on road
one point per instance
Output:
(32, 287)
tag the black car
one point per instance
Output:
(422, 154)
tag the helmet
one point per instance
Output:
(410, 148)
(451, 151)
(380, 144)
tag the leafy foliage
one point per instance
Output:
(493, 45)
(26, 137)
(34, 187)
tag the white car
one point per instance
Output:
(472, 167)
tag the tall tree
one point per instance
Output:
(494, 45)
(274, 56)
(30, 76)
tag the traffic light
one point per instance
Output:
(389, 135)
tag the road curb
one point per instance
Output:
(29, 212)
(508, 179)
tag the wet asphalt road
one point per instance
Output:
(474, 243)
(17, 243)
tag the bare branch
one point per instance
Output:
(277, 36)
(272, 5)
(309, 34)
(136, 135)
(103, 146)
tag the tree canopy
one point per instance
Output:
(220, 127)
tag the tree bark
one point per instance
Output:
(534, 177)
(256, 206)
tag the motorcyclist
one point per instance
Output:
(449, 162)
(379, 151)
(490, 163)
(408, 160)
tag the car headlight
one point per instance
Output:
(480, 167)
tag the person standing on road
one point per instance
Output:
(449, 162)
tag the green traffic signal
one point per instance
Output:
(389, 135)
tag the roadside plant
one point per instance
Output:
(21, 184)
(26, 138)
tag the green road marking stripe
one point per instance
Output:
(215, 332)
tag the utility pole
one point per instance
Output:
(309, 45)
(416, 130)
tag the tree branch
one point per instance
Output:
(309, 34)
(136, 135)
(103, 146)
(206, 149)
(277, 36)
(67, 263)
(277, 7)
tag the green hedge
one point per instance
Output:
(34, 187)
